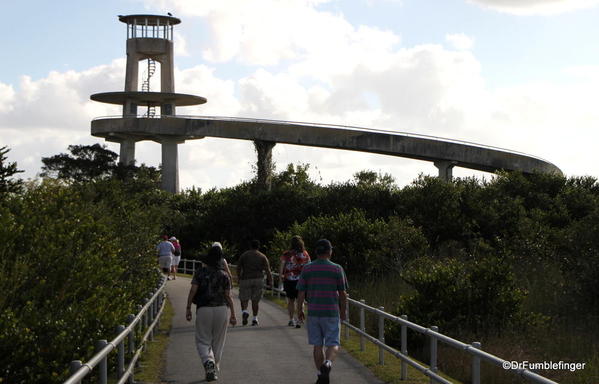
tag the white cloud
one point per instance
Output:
(7, 96)
(200, 80)
(180, 45)
(266, 32)
(460, 41)
(536, 7)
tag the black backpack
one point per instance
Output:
(205, 293)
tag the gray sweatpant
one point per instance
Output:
(211, 330)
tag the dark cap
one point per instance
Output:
(322, 246)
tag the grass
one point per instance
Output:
(152, 362)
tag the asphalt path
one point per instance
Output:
(271, 352)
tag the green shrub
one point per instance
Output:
(75, 261)
(475, 296)
(366, 247)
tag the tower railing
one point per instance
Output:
(147, 30)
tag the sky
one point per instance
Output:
(521, 75)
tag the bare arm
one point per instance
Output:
(192, 293)
(281, 267)
(343, 305)
(228, 271)
(232, 319)
(268, 273)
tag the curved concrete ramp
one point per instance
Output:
(270, 353)
(438, 150)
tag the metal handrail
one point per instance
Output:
(473, 349)
(147, 318)
(350, 127)
(185, 268)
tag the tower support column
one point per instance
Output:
(265, 166)
(170, 165)
(127, 152)
(445, 169)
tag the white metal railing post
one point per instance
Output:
(362, 324)
(404, 348)
(476, 365)
(381, 337)
(158, 305)
(74, 367)
(120, 369)
(103, 366)
(433, 361)
(131, 336)
(150, 318)
(346, 309)
(131, 351)
(140, 323)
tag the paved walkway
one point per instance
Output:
(269, 353)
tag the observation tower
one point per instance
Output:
(149, 38)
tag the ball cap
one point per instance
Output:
(173, 238)
(217, 244)
(323, 245)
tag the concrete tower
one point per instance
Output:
(150, 38)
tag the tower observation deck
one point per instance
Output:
(150, 38)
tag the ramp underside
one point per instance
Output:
(461, 154)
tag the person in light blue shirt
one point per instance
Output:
(165, 251)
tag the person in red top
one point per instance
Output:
(292, 263)
(176, 256)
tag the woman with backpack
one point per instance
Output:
(211, 293)
(176, 256)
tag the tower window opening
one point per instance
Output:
(149, 79)
(150, 30)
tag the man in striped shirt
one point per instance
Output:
(324, 285)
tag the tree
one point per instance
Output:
(85, 163)
(7, 171)
(367, 178)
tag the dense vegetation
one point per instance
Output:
(514, 257)
(75, 260)
(507, 261)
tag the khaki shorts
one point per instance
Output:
(165, 262)
(250, 289)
